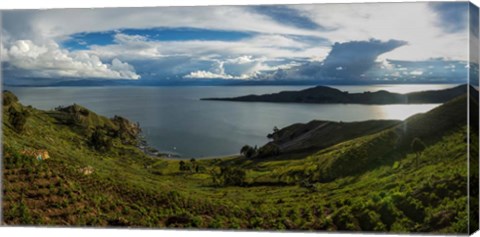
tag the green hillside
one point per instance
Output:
(408, 176)
(316, 135)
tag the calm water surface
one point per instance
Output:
(175, 120)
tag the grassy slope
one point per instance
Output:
(128, 188)
(316, 135)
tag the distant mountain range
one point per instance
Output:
(65, 82)
(326, 95)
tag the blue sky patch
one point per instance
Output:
(84, 40)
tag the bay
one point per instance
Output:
(175, 120)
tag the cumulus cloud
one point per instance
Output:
(415, 23)
(210, 75)
(50, 61)
(217, 70)
(215, 59)
(3, 53)
(243, 67)
(345, 61)
(351, 59)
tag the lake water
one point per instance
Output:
(175, 120)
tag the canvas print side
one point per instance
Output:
(474, 120)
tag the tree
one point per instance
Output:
(228, 176)
(248, 151)
(417, 146)
(182, 166)
(274, 134)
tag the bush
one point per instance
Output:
(9, 98)
(192, 167)
(370, 220)
(182, 166)
(248, 151)
(18, 119)
(229, 176)
(269, 149)
(100, 141)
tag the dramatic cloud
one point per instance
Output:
(46, 24)
(210, 75)
(243, 67)
(217, 72)
(415, 23)
(346, 61)
(288, 42)
(356, 57)
(49, 61)
(135, 47)
(215, 59)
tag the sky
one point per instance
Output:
(345, 43)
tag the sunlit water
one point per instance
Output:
(175, 120)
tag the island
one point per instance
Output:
(328, 95)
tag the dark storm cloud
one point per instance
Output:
(351, 59)
(346, 61)
(452, 16)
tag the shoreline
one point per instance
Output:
(200, 158)
(154, 153)
(144, 147)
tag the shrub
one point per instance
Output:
(8, 98)
(182, 166)
(248, 151)
(417, 146)
(269, 149)
(100, 141)
(18, 119)
(229, 176)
